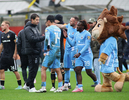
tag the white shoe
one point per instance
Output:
(65, 87)
(32, 90)
(43, 89)
(52, 89)
(26, 87)
(75, 88)
(58, 90)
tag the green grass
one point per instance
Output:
(11, 94)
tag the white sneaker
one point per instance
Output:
(65, 87)
(32, 90)
(52, 89)
(43, 89)
(58, 90)
(75, 88)
(26, 87)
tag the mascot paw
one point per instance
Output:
(119, 84)
(98, 88)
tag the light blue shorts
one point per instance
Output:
(84, 61)
(52, 59)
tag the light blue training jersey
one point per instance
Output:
(52, 37)
(71, 32)
(82, 41)
(109, 47)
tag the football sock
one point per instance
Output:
(96, 82)
(43, 84)
(80, 86)
(63, 73)
(53, 79)
(19, 82)
(2, 82)
(60, 84)
(67, 76)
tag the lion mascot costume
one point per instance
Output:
(107, 30)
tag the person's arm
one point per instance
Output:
(15, 51)
(87, 44)
(61, 26)
(31, 37)
(1, 48)
(72, 43)
(19, 43)
(47, 39)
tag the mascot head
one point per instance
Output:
(108, 24)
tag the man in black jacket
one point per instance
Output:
(32, 49)
(21, 52)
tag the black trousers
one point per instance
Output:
(33, 68)
(122, 61)
(24, 64)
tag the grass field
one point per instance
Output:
(88, 94)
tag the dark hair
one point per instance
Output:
(26, 21)
(84, 23)
(51, 18)
(33, 16)
(76, 18)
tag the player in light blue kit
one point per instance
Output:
(52, 43)
(84, 56)
(69, 59)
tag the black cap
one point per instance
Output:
(59, 18)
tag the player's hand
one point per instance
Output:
(44, 54)
(65, 33)
(77, 55)
(101, 60)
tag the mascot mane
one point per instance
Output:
(113, 26)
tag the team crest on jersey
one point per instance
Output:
(88, 37)
(69, 33)
(8, 36)
(73, 33)
(82, 37)
(45, 30)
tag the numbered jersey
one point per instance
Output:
(52, 37)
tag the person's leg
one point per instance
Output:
(24, 64)
(33, 68)
(2, 79)
(53, 77)
(125, 64)
(120, 59)
(79, 79)
(18, 79)
(60, 84)
(43, 78)
(24, 74)
(92, 75)
(96, 70)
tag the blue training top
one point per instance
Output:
(52, 37)
(82, 41)
(109, 47)
(71, 32)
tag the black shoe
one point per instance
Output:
(69, 87)
(93, 85)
